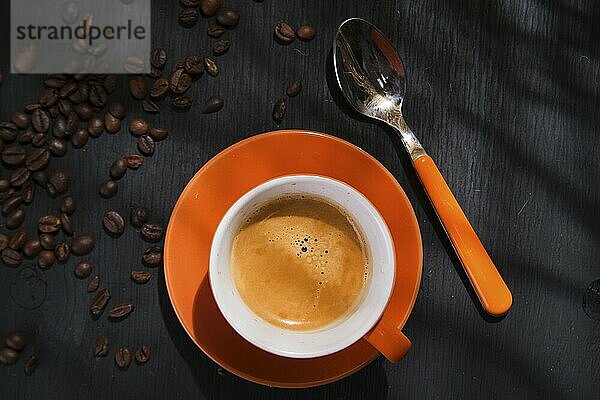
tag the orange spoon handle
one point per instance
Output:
(487, 282)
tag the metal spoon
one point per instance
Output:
(372, 77)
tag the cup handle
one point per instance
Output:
(389, 340)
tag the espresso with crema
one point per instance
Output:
(300, 263)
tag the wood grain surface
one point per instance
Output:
(504, 95)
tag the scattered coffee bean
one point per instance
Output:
(108, 188)
(15, 340)
(18, 240)
(123, 358)
(134, 161)
(279, 110)
(58, 147)
(83, 269)
(140, 277)
(14, 219)
(159, 88)
(180, 81)
(227, 16)
(30, 365)
(113, 223)
(27, 137)
(194, 65)
(11, 257)
(67, 205)
(47, 241)
(182, 103)
(215, 31)
(80, 138)
(221, 47)
(82, 245)
(72, 123)
(93, 284)
(48, 224)
(158, 58)
(188, 17)
(121, 310)
(158, 134)
(66, 224)
(32, 248)
(139, 216)
(153, 256)
(19, 177)
(28, 193)
(110, 83)
(99, 302)
(138, 87)
(3, 241)
(151, 232)
(20, 119)
(146, 145)
(38, 159)
(213, 104)
(117, 110)
(67, 90)
(142, 355)
(62, 252)
(11, 204)
(150, 107)
(60, 179)
(138, 127)
(133, 65)
(85, 111)
(294, 89)
(8, 356)
(211, 67)
(40, 120)
(14, 155)
(95, 127)
(97, 97)
(210, 7)
(101, 347)
(306, 32)
(189, 3)
(118, 168)
(45, 259)
(111, 123)
(284, 33)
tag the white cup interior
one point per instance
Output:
(336, 336)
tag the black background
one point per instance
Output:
(505, 96)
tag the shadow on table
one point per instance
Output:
(216, 383)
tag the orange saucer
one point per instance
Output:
(210, 193)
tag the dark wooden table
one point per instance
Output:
(504, 95)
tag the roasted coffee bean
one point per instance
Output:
(4, 185)
(14, 155)
(72, 123)
(140, 277)
(134, 161)
(67, 89)
(158, 58)
(151, 232)
(83, 269)
(66, 224)
(182, 103)
(154, 73)
(189, 3)
(112, 124)
(26, 137)
(40, 120)
(138, 87)
(14, 219)
(38, 159)
(210, 7)
(213, 104)
(65, 107)
(19, 177)
(62, 252)
(121, 309)
(28, 193)
(82, 245)
(188, 17)
(150, 107)
(306, 32)
(58, 147)
(294, 89)
(47, 241)
(67, 205)
(133, 65)
(59, 129)
(180, 81)
(113, 223)
(60, 179)
(30, 365)
(97, 96)
(138, 127)
(110, 83)
(93, 284)
(20, 119)
(117, 110)
(123, 358)
(220, 47)
(8, 131)
(145, 145)
(38, 140)
(32, 106)
(8, 356)
(159, 88)
(80, 138)
(11, 204)
(95, 127)
(55, 82)
(227, 16)
(48, 98)
(118, 168)
(158, 134)
(215, 31)
(279, 110)
(194, 65)
(11, 257)
(15, 340)
(40, 178)
(48, 224)
(284, 33)
(101, 347)
(108, 188)
(3, 241)
(99, 302)
(18, 240)
(32, 248)
(152, 256)
(46, 259)
(139, 216)
(142, 355)
(84, 111)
